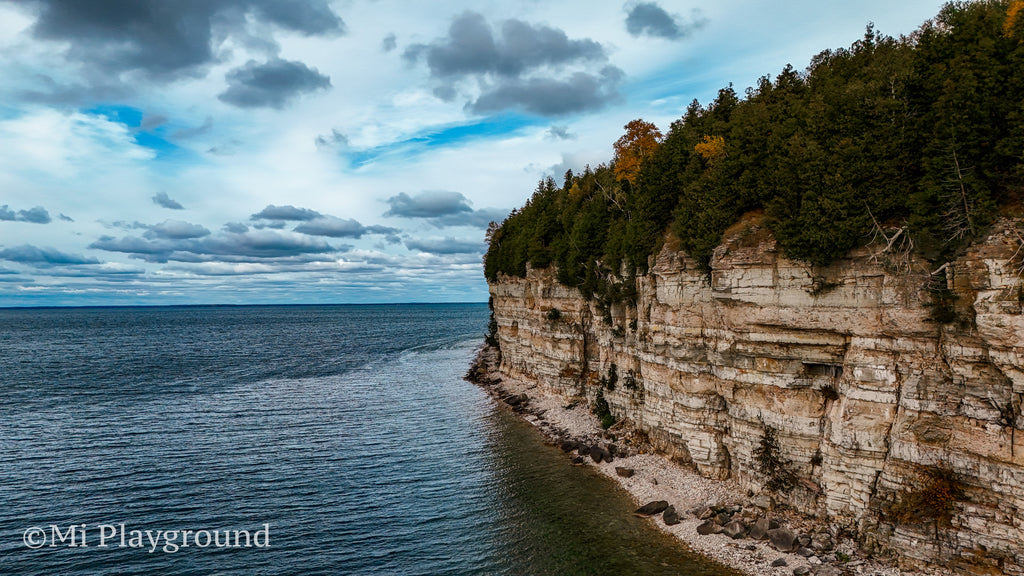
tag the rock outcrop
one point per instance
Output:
(894, 391)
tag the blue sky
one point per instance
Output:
(318, 151)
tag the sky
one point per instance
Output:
(159, 152)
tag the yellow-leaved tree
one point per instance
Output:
(634, 147)
(711, 149)
(1013, 15)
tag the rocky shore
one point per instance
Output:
(750, 532)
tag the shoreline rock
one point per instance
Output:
(710, 505)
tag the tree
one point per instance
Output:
(711, 149)
(634, 147)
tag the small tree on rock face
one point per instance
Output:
(770, 462)
(636, 145)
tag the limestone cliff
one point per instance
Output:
(872, 398)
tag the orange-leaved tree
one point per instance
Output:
(636, 145)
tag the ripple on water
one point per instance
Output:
(347, 429)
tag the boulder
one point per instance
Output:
(700, 511)
(670, 516)
(822, 542)
(517, 400)
(782, 539)
(826, 570)
(762, 501)
(709, 527)
(759, 531)
(805, 552)
(597, 454)
(779, 562)
(624, 472)
(801, 571)
(734, 530)
(652, 508)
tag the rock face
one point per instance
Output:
(874, 372)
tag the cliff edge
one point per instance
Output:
(893, 390)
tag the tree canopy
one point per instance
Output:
(922, 134)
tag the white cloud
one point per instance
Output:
(222, 164)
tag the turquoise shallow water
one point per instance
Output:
(345, 433)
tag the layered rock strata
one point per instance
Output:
(894, 390)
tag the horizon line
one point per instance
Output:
(293, 305)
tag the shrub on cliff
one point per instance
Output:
(931, 498)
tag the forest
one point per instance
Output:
(916, 142)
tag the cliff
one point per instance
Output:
(895, 392)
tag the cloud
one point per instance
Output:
(186, 133)
(471, 48)
(176, 230)
(443, 209)
(560, 133)
(389, 43)
(521, 57)
(28, 254)
(333, 140)
(66, 218)
(581, 92)
(272, 84)
(477, 219)
(162, 199)
(445, 245)
(428, 204)
(168, 39)
(649, 19)
(333, 227)
(255, 245)
(287, 212)
(37, 215)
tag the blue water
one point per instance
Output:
(344, 433)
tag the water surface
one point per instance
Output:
(347, 429)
